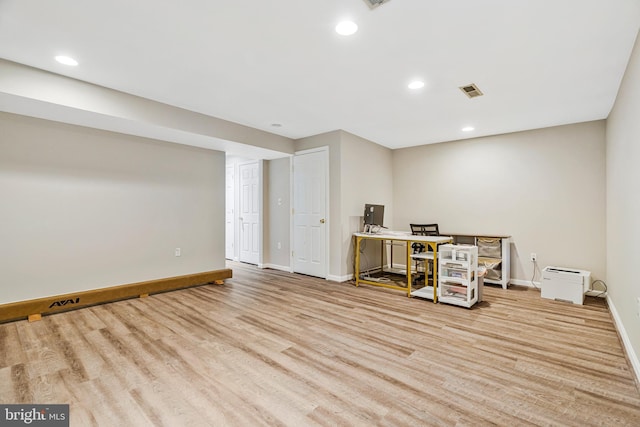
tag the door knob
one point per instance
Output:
(322, 221)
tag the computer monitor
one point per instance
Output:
(373, 214)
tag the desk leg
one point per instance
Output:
(357, 263)
(434, 246)
(408, 263)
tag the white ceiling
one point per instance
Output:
(255, 62)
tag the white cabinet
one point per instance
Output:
(458, 274)
(494, 253)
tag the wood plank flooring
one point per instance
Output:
(270, 348)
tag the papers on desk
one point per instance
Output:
(397, 233)
(388, 233)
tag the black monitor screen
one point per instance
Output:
(373, 214)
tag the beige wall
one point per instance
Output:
(84, 209)
(367, 177)
(359, 173)
(545, 188)
(623, 206)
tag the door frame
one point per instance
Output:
(327, 198)
(232, 238)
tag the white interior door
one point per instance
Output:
(309, 213)
(249, 213)
(229, 213)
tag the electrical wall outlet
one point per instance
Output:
(178, 252)
(534, 257)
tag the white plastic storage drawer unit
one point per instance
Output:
(565, 284)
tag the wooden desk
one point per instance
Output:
(431, 241)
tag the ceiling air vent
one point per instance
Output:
(375, 3)
(471, 90)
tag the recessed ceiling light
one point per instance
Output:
(417, 84)
(66, 60)
(468, 129)
(346, 28)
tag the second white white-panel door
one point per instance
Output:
(249, 213)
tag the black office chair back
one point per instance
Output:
(423, 230)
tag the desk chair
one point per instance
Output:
(423, 253)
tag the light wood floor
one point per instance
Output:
(272, 348)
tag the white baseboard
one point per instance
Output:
(277, 267)
(524, 283)
(344, 278)
(633, 357)
(589, 293)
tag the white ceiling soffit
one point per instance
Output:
(59, 113)
(258, 63)
(32, 92)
